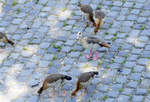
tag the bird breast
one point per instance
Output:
(97, 20)
(85, 84)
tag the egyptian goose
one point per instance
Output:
(53, 80)
(83, 80)
(99, 19)
(87, 12)
(91, 42)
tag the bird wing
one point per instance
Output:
(84, 77)
(93, 40)
(53, 78)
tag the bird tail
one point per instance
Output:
(76, 90)
(9, 41)
(104, 45)
(96, 72)
(92, 19)
(67, 77)
(44, 86)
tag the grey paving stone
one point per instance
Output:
(137, 98)
(33, 83)
(123, 98)
(135, 76)
(145, 83)
(52, 50)
(121, 79)
(110, 100)
(66, 68)
(143, 61)
(132, 84)
(75, 54)
(33, 99)
(128, 4)
(66, 49)
(132, 17)
(135, 11)
(113, 93)
(128, 91)
(132, 57)
(44, 45)
(125, 71)
(139, 68)
(44, 63)
(52, 70)
(141, 91)
(103, 88)
(129, 64)
(17, 21)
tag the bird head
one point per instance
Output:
(79, 35)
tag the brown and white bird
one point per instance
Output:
(83, 80)
(99, 19)
(92, 43)
(52, 81)
(87, 12)
(4, 38)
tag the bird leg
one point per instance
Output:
(90, 54)
(54, 92)
(64, 92)
(85, 90)
(96, 55)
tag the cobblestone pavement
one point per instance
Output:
(44, 36)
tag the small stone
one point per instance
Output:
(141, 91)
(33, 83)
(44, 63)
(113, 93)
(137, 98)
(123, 98)
(33, 99)
(132, 84)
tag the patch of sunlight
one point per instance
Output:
(3, 55)
(148, 65)
(15, 90)
(86, 67)
(64, 14)
(16, 68)
(133, 40)
(1, 7)
(104, 76)
(32, 48)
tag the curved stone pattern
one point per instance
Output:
(44, 34)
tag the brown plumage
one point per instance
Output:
(83, 81)
(87, 11)
(4, 38)
(51, 79)
(99, 19)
